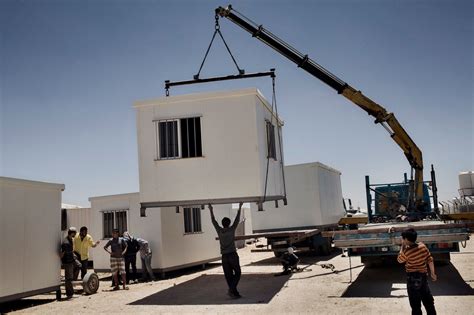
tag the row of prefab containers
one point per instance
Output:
(220, 148)
(31, 215)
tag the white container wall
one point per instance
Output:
(210, 147)
(79, 217)
(173, 247)
(29, 210)
(314, 200)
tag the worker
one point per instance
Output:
(131, 257)
(289, 261)
(82, 243)
(67, 258)
(416, 257)
(118, 248)
(230, 258)
(145, 256)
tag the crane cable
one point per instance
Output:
(217, 30)
(274, 113)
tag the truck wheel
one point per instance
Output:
(90, 283)
(326, 247)
(371, 262)
(442, 259)
(58, 294)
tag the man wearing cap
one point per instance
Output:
(82, 243)
(67, 258)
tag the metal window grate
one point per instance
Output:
(271, 148)
(192, 220)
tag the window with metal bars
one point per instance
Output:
(179, 138)
(114, 219)
(271, 149)
(192, 220)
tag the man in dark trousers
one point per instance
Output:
(416, 257)
(131, 257)
(69, 262)
(230, 259)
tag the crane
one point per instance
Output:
(382, 116)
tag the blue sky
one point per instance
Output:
(70, 71)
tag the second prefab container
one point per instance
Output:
(30, 230)
(220, 147)
(314, 200)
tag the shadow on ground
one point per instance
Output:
(21, 304)
(306, 258)
(211, 290)
(389, 281)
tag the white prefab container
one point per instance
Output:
(78, 217)
(29, 211)
(176, 241)
(208, 148)
(314, 200)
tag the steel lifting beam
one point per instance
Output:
(169, 83)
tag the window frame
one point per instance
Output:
(191, 213)
(114, 222)
(180, 137)
(271, 145)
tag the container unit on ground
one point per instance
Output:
(76, 216)
(314, 204)
(28, 210)
(208, 148)
(177, 240)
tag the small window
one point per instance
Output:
(108, 221)
(168, 132)
(191, 137)
(192, 220)
(271, 150)
(179, 138)
(114, 219)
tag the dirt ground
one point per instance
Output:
(315, 290)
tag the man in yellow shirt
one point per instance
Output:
(82, 243)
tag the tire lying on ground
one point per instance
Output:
(90, 283)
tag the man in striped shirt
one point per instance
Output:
(416, 257)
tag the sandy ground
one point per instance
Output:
(315, 290)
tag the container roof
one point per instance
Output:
(26, 182)
(206, 95)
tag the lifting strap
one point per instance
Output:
(274, 110)
(217, 30)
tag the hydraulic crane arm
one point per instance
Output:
(386, 119)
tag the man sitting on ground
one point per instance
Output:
(289, 261)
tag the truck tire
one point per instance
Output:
(90, 283)
(442, 259)
(58, 294)
(371, 261)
